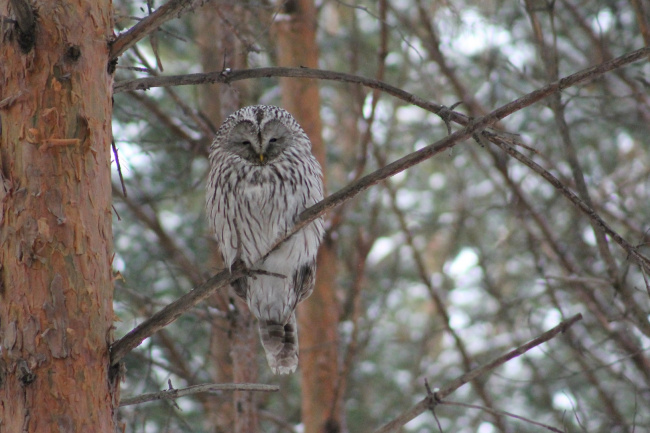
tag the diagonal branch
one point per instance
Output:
(227, 76)
(164, 13)
(595, 219)
(426, 403)
(172, 311)
(169, 394)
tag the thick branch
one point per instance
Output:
(188, 301)
(164, 13)
(171, 312)
(428, 402)
(228, 76)
(169, 394)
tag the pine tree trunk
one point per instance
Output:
(318, 316)
(56, 289)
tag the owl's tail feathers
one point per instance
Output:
(280, 344)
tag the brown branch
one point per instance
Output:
(169, 394)
(426, 403)
(229, 76)
(436, 295)
(640, 259)
(172, 311)
(171, 9)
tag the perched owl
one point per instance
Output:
(262, 176)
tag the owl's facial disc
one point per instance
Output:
(244, 140)
(274, 138)
(259, 146)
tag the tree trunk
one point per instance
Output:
(56, 291)
(318, 316)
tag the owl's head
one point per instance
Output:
(260, 134)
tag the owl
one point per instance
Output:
(262, 176)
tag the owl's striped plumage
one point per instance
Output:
(262, 175)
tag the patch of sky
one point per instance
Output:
(170, 221)
(486, 427)
(399, 178)
(382, 248)
(476, 34)
(588, 236)
(481, 189)
(624, 142)
(420, 143)
(563, 401)
(411, 114)
(602, 22)
(403, 379)
(437, 181)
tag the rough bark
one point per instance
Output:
(56, 286)
(318, 316)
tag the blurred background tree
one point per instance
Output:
(438, 270)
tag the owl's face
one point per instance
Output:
(258, 142)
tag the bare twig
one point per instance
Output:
(165, 240)
(172, 393)
(639, 258)
(440, 394)
(164, 13)
(433, 401)
(436, 295)
(119, 168)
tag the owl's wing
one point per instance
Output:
(304, 279)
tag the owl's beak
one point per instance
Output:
(262, 158)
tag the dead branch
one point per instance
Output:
(169, 394)
(439, 395)
(171, 9)
(640, 259)
(229, 76)
(172, 312)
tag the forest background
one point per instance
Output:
(490, 240)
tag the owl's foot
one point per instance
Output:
(280, 344)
